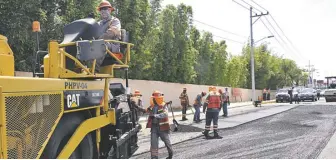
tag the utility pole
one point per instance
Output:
(252, 49)
(310, 68)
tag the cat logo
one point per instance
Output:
(73, 100)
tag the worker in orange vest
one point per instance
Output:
(212, 106)
(158, 122)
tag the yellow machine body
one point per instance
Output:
(31, 107)
(6, 58)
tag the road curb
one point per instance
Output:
(226, 128)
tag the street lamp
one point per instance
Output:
(263, 39)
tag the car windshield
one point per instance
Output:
(307, 91)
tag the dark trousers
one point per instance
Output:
(225, 110)
(290, 98)
(155, 143)
(211, 115)
(184, 111)
(264, 96)
(197, 113)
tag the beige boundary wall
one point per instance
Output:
(172, 91)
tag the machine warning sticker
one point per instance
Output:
(82, 98)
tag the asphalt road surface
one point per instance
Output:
(301, 132)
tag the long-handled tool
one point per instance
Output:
(191, 109)
(174, 121)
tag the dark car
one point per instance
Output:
(282, 96)
(308, 94)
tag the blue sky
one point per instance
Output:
(309, 24)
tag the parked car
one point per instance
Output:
(282, 96)
(330, 95)
(308, 94)
(296, 92)
(322, 93)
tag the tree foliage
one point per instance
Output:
(168, 47)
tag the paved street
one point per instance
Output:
(289, 131)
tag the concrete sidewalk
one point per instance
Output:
(190, 111)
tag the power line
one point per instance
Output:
(251, 6)
(228, 39)
(259, 6)
(272, 34)
(295, 49)
(219, 28)
(285, 35)
(299, 55)
(280, 43)
(241, 5)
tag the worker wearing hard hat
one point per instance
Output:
(110, 29)
(136, 102)
(136, 98)
(111, 26)
(184, 103)
(197, 106)
(159, 123)
(212, 106)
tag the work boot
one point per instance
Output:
(216, 135)
(206, 134)
(170, 156)
(184, 119)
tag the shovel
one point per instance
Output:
(191, 109)
(174, 121)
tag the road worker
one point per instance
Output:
(264, 94)
(225, 99)
(110, 29)
(159, 123)
(136, 98)
(269, 94)
(136, 101)
(197, 106)
(184, 103)
(212, 107)
(290, 92)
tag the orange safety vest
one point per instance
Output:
(214, 100)
(164, 122)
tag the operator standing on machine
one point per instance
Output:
(110, 29)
